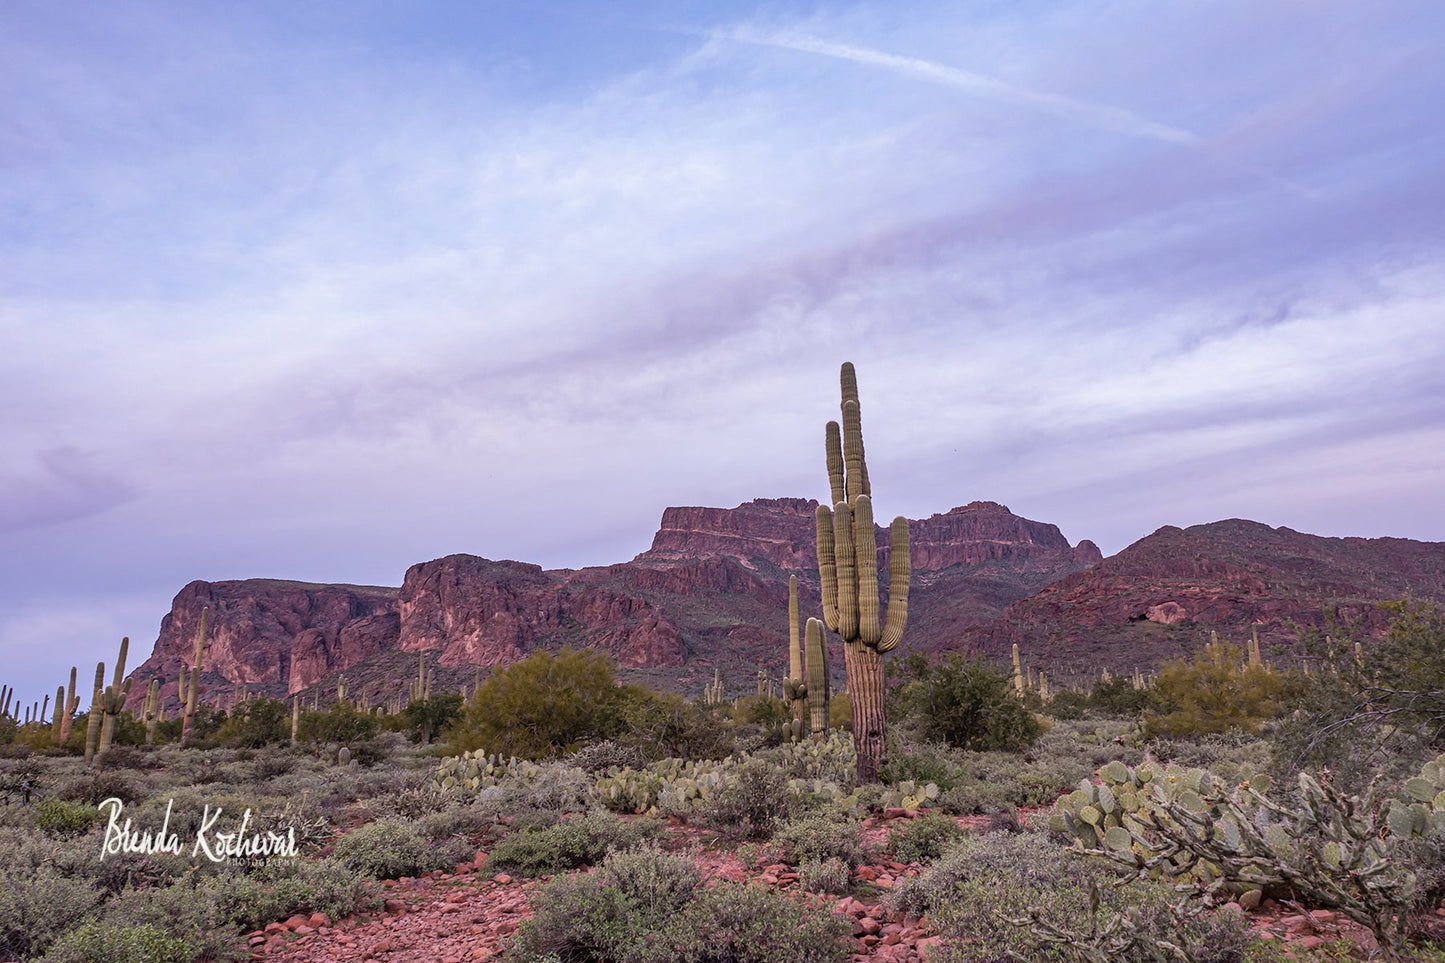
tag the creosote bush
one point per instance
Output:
(98, 942)
(964, 704)
(389, 848)
(924, 839)
(646, 906)
(554, 847)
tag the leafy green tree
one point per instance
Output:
(964, 704)
(542, 706)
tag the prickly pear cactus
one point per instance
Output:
(1328, 850)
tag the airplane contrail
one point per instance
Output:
(1102, 116)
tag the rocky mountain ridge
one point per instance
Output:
(710, 592)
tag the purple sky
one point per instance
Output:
(317, 291)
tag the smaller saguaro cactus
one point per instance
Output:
(1018, 674)
(92, 722)
(295, 717)
(113, 700)
(712, 695)
(341, 687)
(59, 709)
(193, 690)
(72, 703)
(152, 714)
(818, 685)
(5, 694)
(795, 688)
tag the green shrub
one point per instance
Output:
(1000, 897)
(97, 942)
(96, 787)
(750, 806)
(823, 875)
(38, 906)
(964, 704)
(544, 705)
(61, 818)
(816, 837)
(389, 848)
(924, 839)
(647, 907)
(555, 847)
(657, 883)
(1216, 691)
(283, 888)
(257, 723)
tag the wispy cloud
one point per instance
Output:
(1101, 116)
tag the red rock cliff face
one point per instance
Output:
(777, 530)
(712, 589)
(479, 612)
(1162, 596)
(269, 632)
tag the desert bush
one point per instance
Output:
(98, 942)
(542, 706)
(285, 887)
(924, 839)
(656, 882)
(823, 875)
(607, 754)
(964, 704)
(96, 787)
(341, 723)
(1118, 697)
(62, 818)
(37, 907)
(998, 898)
(1377, 706)
(1214, 692)
(389, 848)
(645, 906)
(816, 837)
(922, 762)
(555, 847)
(751, 804)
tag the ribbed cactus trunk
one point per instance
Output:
(152, 710)
(795, 688)
(193, 691)
(848, 570)
(72, 703)
(113, 700)
(92, 722)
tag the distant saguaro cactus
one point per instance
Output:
(112, 701)
(152, 710)
(72, 703)
(795, 688)
(92, 722)
(848, 568)
(193, 692)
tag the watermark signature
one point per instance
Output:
(211, 843)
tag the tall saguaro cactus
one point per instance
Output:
(848, 568)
